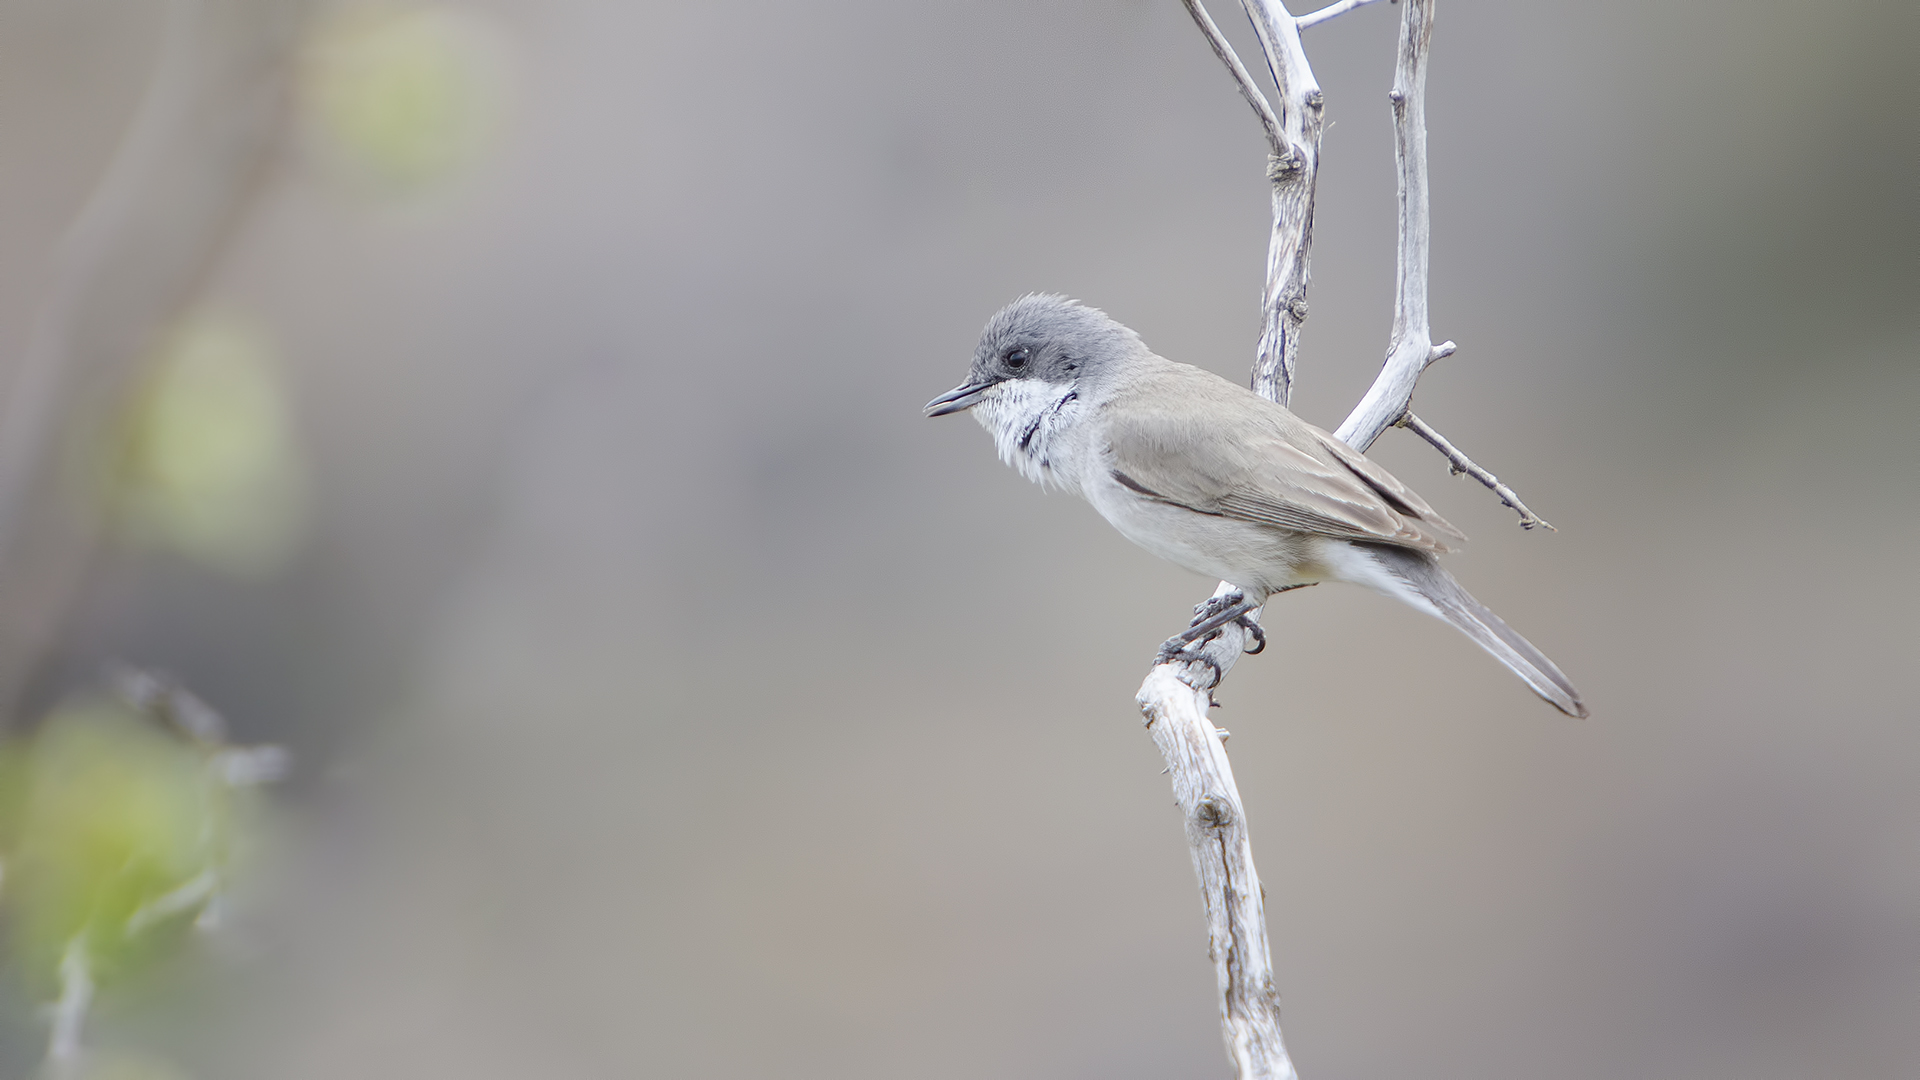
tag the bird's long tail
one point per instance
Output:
(1435, 590)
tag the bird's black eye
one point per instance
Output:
(1017, 359)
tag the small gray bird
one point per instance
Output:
(1214, 477)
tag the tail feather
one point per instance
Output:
(1444, 596)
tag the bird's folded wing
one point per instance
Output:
(1409, 505)
(1183, 454)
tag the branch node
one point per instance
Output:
(1297, 307)
(1213, 812)
(1441, 351)
(1394, 95)
(1284, 167)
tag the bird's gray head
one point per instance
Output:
(1043, 338)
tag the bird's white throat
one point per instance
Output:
(1027, 418)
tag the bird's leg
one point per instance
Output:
(1214, 613)
(1207, 618)
(1214, 605)
(1257, 638)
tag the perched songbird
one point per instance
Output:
(1214, 477)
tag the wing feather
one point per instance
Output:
(1168, 439)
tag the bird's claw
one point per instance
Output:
(1208, 619)
(1215, 605)
(1179, 651)
(1256, 637)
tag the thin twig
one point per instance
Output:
(69, 1012)
(1331, 11)
(1176, 717)
(1241, 76)
(1461, 463)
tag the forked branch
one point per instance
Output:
(1175, 697)
(1389, 401)
(1411, 347)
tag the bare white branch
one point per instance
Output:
(1331, 11)
(1411, 347)
(135, 255)
(1388, 402)
(1292, 169)
(1175, 697)
(1176, 717)
(1459, 463)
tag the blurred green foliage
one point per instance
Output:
(116, 833)
(209, 464)
(406, 96)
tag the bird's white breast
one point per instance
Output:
(1259, 559)
(1033, 427)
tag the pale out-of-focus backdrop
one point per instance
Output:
(667, 698)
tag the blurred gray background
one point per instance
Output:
(670, 699)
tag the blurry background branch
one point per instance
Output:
(114, 831)
(135, 256)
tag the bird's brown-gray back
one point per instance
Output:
(1167, 441)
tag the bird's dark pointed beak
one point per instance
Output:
(962, 397)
